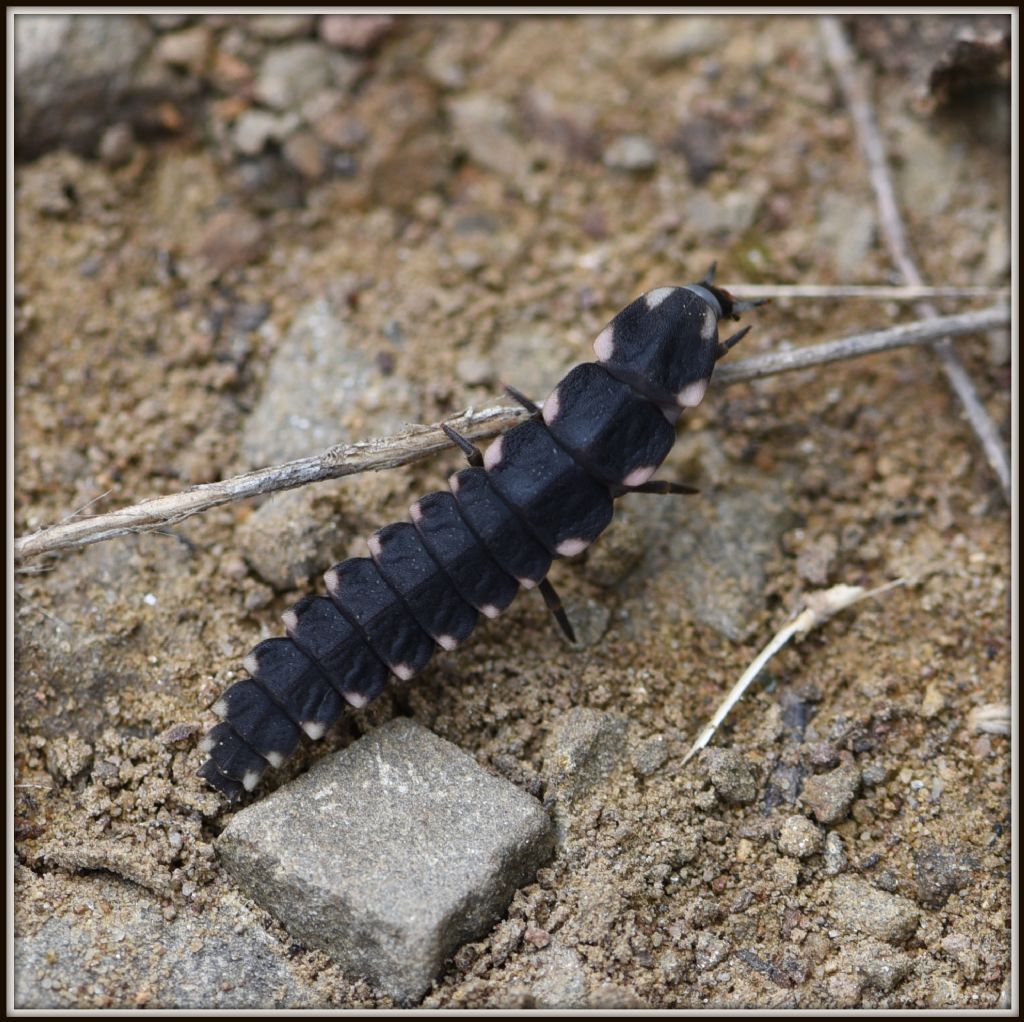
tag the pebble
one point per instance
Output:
(188, 49)
(817, 559)
(291, 74)
(726, 543)
(860, 907)
(484, 127)
(117, 145)
(558, 978)
(829, 796)
(317, 376)
(633, 153)
(585, 746)
(730, 775)
(255, 128)
(882, 967)
(677, 39)
(72, 74)
(933, 702)
(280, 26)
(835, 854)
(230, 239)
(389, 855)
(650, 755)
(799, 838)
(304, 152)
(621, 549)
(701, 143)
(939, 872)
(359, 32)
(290, 538)
(56, 965)
(710, 951)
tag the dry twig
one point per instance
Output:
(421, 441)
(869, 136)
(872, 292)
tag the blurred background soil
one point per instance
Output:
(241, 239)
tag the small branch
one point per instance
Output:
(921, 332)
(421, 441)
(872, 292)
(819, 606)
(341, 460)
(869, 136)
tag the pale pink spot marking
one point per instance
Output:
(314, 730)
(207, 745)
(639, 475)
(492, 456)
(332, 581)
(290, 619)
(692, 394)
(252, 664)
(356, 699)
(710, 324)
(220, 707)
(489, 610)
(250, 780)
(275, 759)
(403, 671)
(527, 583)
(416, 512)
(374, 544)
(448, 642)
(551, 407)
(572, 547)
(604, 346)
(453, 484)
(654, 298)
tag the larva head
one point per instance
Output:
(665, 344)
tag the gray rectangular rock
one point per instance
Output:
(389, 854)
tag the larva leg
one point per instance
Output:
(731, 342)
(468, 448)
(664, 486)
(554, 602)
(521, 398)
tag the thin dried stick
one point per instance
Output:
(869, 136)
(421, 441)
(819, 606)
(872, 292)
(919, 332)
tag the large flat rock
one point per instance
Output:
(390, 854)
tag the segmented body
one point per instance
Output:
(545, 489)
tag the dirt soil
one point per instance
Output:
(477, 244)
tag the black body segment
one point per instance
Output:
(231, 757)
(296, 683)
(664, 345)
(412, 572)
(259, 720)
(349, 663)
(564, 506)
(455, 546)
(544, 489)
(365, 598)
(507, 540)
(618, 435)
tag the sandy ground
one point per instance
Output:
(477, 244)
